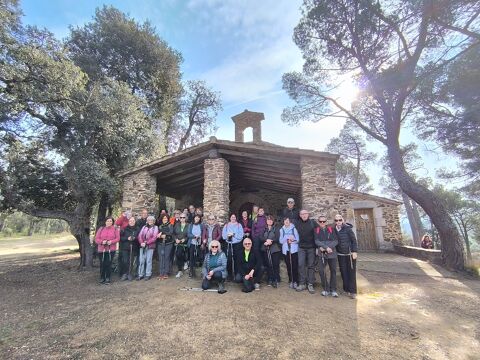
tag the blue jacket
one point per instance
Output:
(237, 231)
(221, 265)
(284, 234)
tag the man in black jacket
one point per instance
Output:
(290, 211)
(326, 242)
(347, 255)
(248, 265)
(306, 252)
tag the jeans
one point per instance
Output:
(306, 265)
(145, 265)
(164, 258)
(217, 277)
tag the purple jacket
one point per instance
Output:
(259, 226)
(149, 236)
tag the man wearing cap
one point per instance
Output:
(291, 212)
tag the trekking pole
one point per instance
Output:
(270, 262)
(291, 265)
(130, 260)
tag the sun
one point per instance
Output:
(346, 93)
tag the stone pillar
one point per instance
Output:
(139, 191)
(318, 185)
(216, 188)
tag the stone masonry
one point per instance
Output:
(248, 119)
(139, 191)
(216, 188)
(318, 182)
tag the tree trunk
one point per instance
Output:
(418, 219)
(411, 220)
(31, 226)
(452, 246)
(103, 208)
(467, 242)
(80, 228)
(3, 216)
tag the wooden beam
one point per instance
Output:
(179, 163)
(281, 157)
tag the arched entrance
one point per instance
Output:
(248, 206)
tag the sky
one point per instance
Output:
(240, 48)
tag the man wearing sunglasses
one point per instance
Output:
(326, 242)
(347, 255)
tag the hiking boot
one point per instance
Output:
(270, 283)
(274, 285)
(221, 288)
(300, 287)
(139, 278)
(334, 294)
(295, 285)
(324, 293)
(124, 277)
(310, 288)
(179, 274)
(257, 286)
(129, 277)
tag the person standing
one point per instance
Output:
(180, 232)
(347, 255)
(190, 213)
(258, 228)
(306, 252)
(232, 233)
(211, 231)
(271, 252)
(164, 247)
(248, 266)
(194, 236)
(290, 211)
(107, 238)
(214, 267)
(246, 224)
(128, 237)
(326, 242)
(289, 240)
(147, 239)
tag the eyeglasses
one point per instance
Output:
(247, 244)
(211, 219)
(182, 217)
(338, 220)
(321, 221)
(214, 246)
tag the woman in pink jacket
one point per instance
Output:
(107, 238)
(147, 240)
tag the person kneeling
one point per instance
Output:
(214, 268)
(248, 266)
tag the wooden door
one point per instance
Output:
(365, 225)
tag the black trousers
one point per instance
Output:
(106, 264)
(292, 267)
(216, 278)
(181, 255)
(194, 253)
(232, 251)
(332, 265)
(348, 270)
(248, 285)
(125, 262)
(273, 272)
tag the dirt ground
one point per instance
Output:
(407, 309)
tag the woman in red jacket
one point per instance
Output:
(107, 238)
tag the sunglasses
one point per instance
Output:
(182, 217)
(214, 246)
(321, 222)
(338, 220)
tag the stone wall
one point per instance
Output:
(139, 191)
(318, 180)
(216, 188)
(434, 256)
(272, 201)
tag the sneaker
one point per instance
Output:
(147, 278)
(129, 277)
(257, 286)
(221, 288)
(310, 288)
(291, 285)
(107, 281)
(295, 285)
(139, 278)
(324, 293)
(334, 294)
(101, 281)
(185, 266)
(300, 287)
(353, 296)
(124, 277)
(179, 274)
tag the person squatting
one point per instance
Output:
(247, 251)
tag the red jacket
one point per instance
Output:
(107, 233)
(122, 221)
(216, 234)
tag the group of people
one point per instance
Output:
(247, 250)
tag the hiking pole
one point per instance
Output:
(270, 264)
(291, 266)
(130, 261)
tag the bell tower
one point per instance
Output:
(248, 119)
